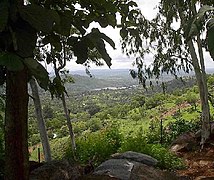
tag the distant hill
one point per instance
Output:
(111, 78)
(106, 78)
(86, 83)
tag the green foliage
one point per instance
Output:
(176, 128)
(138, 100)
(166, 160)
(59, 147)
(153, 134)
(100, 144)
(192, 99)
(11, 61)
(48, 112)
(35, 139)
(95, 138)
(94, 124)
(154, 101)
(210, 36)
(36, 16)
(38, 71)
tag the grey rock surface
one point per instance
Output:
(137, 157)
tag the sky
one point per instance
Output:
(120, 60)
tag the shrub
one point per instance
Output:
(178, 127)
(94, 124)
(59, 147)
(100, 144)
(34, 139)
(166, 160)
(133, 143)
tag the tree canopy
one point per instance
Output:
(37, 31)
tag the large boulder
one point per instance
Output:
(137, 157)
(117, 168)
(184, 142)
(123, 169)
(56, 170)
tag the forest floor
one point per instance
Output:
(199, 163)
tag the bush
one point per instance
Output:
(174, 129)
(34, 139)
(133, 143)
(100, 144)
(154, 101)
(166, 160)
(59, 147)
(94, 124)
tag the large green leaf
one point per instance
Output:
(26, 39)
(40, 18)
(98, 34)
(192, 28)
(95, 39)
(81, 51)
(11, 61)
(195, 25)
(64, 26)
(3, 14)
(203, 10)
(210, 37)
(38, 71)
(54, 40)
(100, 46)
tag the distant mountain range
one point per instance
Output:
(110, 78)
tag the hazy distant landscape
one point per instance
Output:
(110, 79)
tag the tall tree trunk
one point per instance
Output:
(40, 120)
(203, 91)
(16, 128)
(199, 68)
(69, 124)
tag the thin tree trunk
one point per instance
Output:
(40, 121)
(67, 113)
(16, 128)
(69, 124)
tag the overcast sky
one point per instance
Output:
(119, 60)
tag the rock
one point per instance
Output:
(98, 177)
(144, 172)
(123, 169)
(184, 142)
(137, 157)
(56, 170)
(34, 165)
(117, 168)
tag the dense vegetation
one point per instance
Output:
(109, 121)
(28, 37)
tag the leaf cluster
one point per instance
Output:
(28, 36)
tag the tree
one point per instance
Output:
(179, 101)
(175, 49)
(192, 99)
(23, 27)
(40, 121)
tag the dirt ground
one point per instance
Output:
(200, 163)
